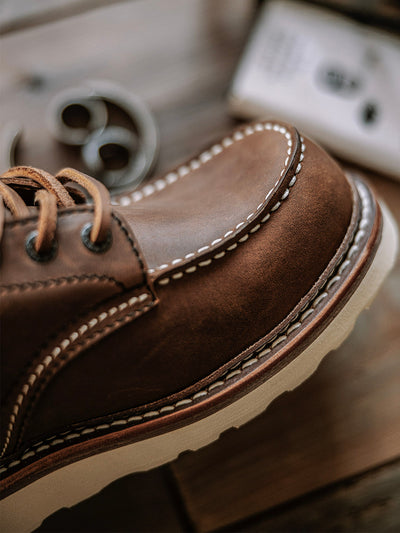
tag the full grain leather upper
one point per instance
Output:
(232, 240)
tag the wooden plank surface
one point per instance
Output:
(16, 15)
(144, 502)
(179, 56)
(369, 503)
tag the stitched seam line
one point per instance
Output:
(75, 349)
(57, 353)
(58, 281)
(89, 209)
(135, 251)
(220, 254)
(261, 352)
(50, 339)
(195, 164)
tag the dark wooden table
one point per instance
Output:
(325, 457)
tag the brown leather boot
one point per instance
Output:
(135, 330)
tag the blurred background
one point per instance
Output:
(127, 89)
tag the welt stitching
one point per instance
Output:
(59, 281)
(189, 270)
(341, 266)
(57, 351)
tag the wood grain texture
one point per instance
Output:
(143, 502)
(16, 15)
(369, 503)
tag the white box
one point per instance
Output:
(336, 80)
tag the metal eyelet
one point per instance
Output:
(33, 254)
(93, 247)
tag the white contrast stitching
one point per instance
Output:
(238, 369)
(195, 164)
(275, 207)
(56, 352)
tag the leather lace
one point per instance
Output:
(52, 193)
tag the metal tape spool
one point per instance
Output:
(104, 145)
(74, 114)
(146, 129)
(94, 133)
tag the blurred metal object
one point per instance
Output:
(120, 156)
(10, 137)
(80, 117)
(114, 146)
(74, 114)
(143, 160)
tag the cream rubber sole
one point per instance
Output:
(67, 486)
